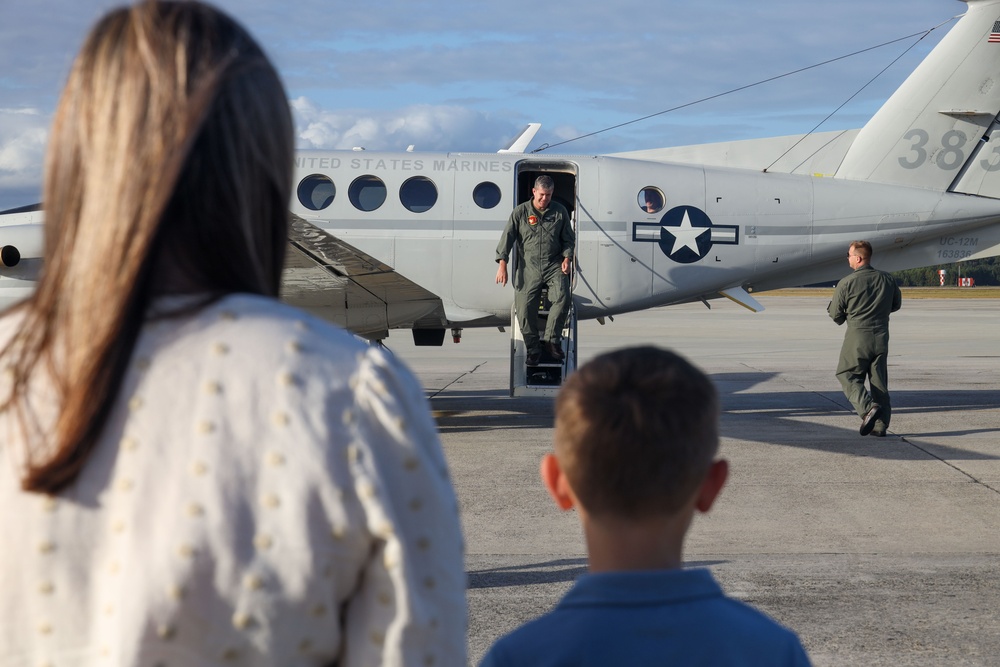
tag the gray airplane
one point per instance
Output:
(405, 240)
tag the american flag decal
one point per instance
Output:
(995, 34)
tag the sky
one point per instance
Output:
(385, 74)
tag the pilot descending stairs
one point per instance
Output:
(544, 376)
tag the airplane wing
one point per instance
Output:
(340, 283)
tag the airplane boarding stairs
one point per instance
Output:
(545, 378)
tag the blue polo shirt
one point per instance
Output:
(669, 617)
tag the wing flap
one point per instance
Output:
(340, 283)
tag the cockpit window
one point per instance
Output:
(486, 195)
(316, 192)
(418, 194)
(651, 199)
(367, 193)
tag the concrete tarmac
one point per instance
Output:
(877, 551)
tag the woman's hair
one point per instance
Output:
(168, 172)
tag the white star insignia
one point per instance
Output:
(686, 236)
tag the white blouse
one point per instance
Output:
(267, 491)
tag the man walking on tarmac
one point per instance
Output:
(543, 234)
(864, 300)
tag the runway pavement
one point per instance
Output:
(876, 551)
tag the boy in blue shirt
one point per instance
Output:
(636, 437)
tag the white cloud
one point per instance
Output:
(21, 112)
(427, 126)
(23, 135)
(463, 80)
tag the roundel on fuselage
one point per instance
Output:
(685, 234)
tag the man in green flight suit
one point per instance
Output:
(864, 300)
(542, 231)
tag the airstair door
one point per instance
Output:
(545, 377)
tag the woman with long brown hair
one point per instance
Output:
(196, 473)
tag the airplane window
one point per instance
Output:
(486, 195)
(316, 192)
(418, 194)
(651, 200)
(367, 193)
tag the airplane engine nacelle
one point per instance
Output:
(10, 256)
(19, 242)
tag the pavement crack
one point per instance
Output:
(926, 451)
(457, 378)
(950, 465)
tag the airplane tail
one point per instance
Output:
(939, 130)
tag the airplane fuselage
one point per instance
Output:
(436, 218)
(384, 240)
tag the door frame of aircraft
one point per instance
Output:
(566, 177)
(565, 174)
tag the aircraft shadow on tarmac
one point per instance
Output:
(790, 418)
(751, 412)
(549, 572)
(474, 411)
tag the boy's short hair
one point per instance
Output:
(636, 431)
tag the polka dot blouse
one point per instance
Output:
(267, 491)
